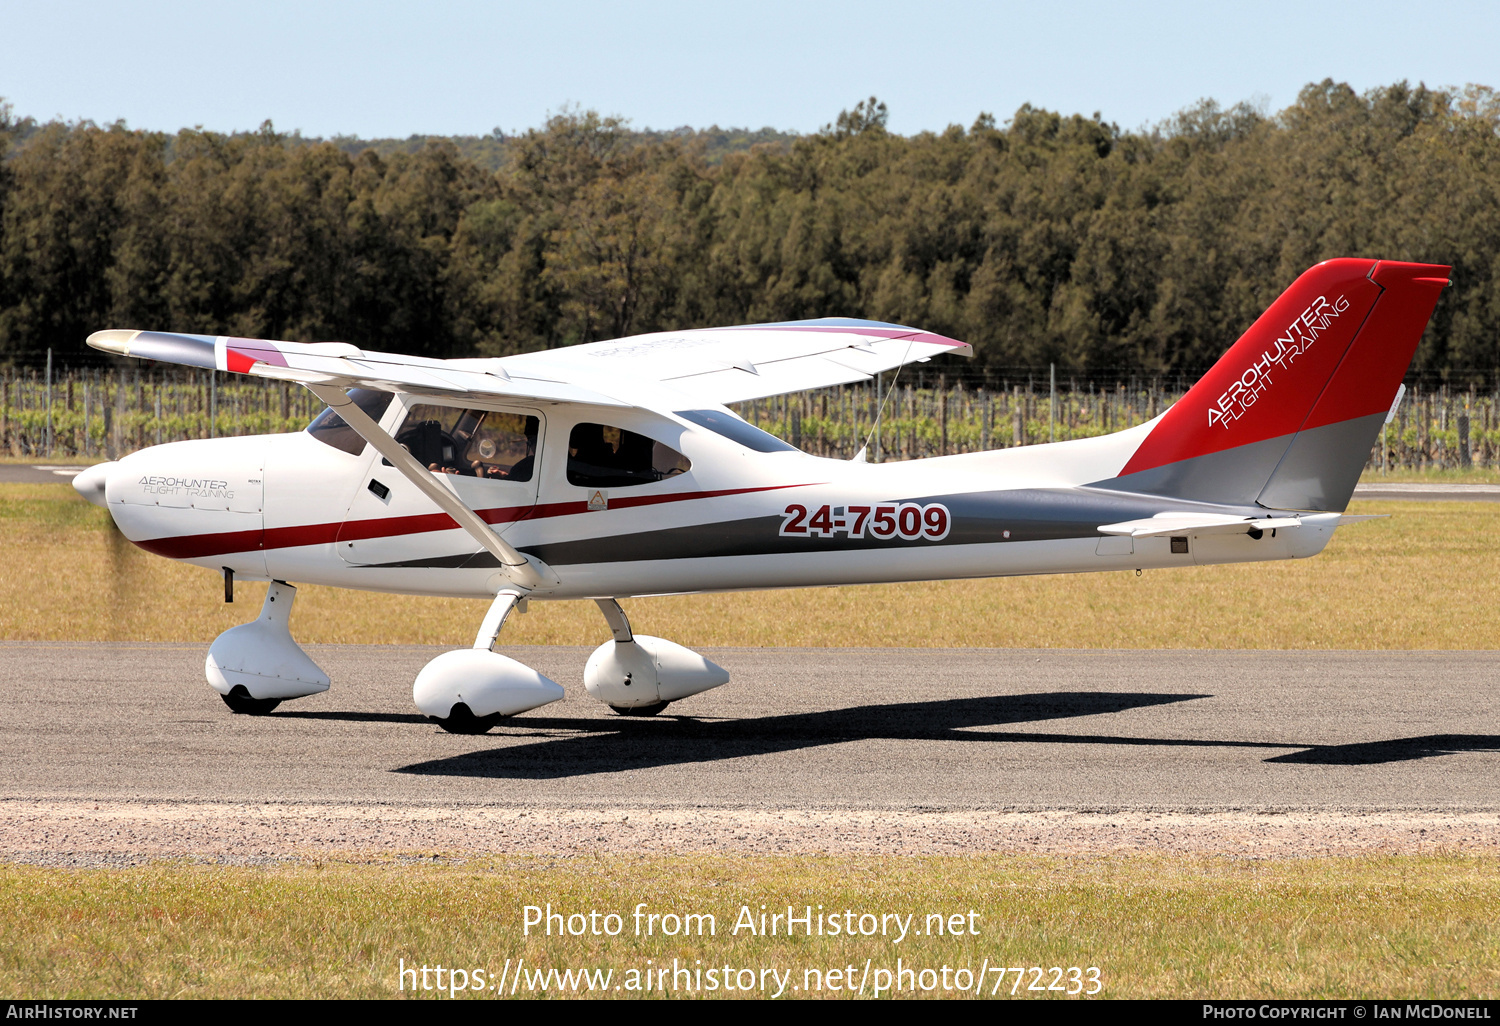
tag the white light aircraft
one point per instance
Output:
(614, 469)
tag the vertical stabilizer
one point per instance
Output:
(1287, 417)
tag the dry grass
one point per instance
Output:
(1393, 927)
(1421, 579)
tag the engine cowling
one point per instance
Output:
(647, 671)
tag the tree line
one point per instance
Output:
(1049, 239)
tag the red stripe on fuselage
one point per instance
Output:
(195, 546)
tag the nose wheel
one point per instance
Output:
(239, 701)
(256, 666)
(461, 720)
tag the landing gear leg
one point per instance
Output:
(619, 626)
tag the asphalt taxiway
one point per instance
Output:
(49, 473)
(118, 753)
(926, 729)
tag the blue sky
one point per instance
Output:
(393, 69)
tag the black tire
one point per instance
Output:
(239, 701)
(640, 710)
(461, 720)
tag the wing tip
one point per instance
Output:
(113, 340)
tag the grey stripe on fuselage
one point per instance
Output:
(1028, 514)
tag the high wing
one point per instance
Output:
(717, 365)
(340, 365)
(730, 365)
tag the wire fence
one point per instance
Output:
(107, 412)
(1434, 428)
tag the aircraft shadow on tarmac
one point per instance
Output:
(610, 745)
(349, 716)
(1400, 749)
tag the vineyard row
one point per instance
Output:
(106, 413)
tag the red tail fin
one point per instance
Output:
(1287, 417)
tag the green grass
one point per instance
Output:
(1390, 927)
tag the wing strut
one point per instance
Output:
(514, 565)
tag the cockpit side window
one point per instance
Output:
(601, 456)
(330, 429)
(736, 430)
(471, 443)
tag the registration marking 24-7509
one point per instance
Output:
(908, 521)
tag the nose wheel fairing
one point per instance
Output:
(259, 660)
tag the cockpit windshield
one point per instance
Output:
(330, 429)
(736, 430)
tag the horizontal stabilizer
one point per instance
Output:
(1164, 524)
(1196, 523)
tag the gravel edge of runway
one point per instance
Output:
(93, 834)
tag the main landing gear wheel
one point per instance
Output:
(640, 710)
(239, 701)
(461, 720)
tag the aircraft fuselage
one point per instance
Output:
(290, 507)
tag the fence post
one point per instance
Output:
(943, 414)
(48, 442)
(1052, 403)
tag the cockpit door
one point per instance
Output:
(489, 458)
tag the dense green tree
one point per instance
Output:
(1050, 238)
